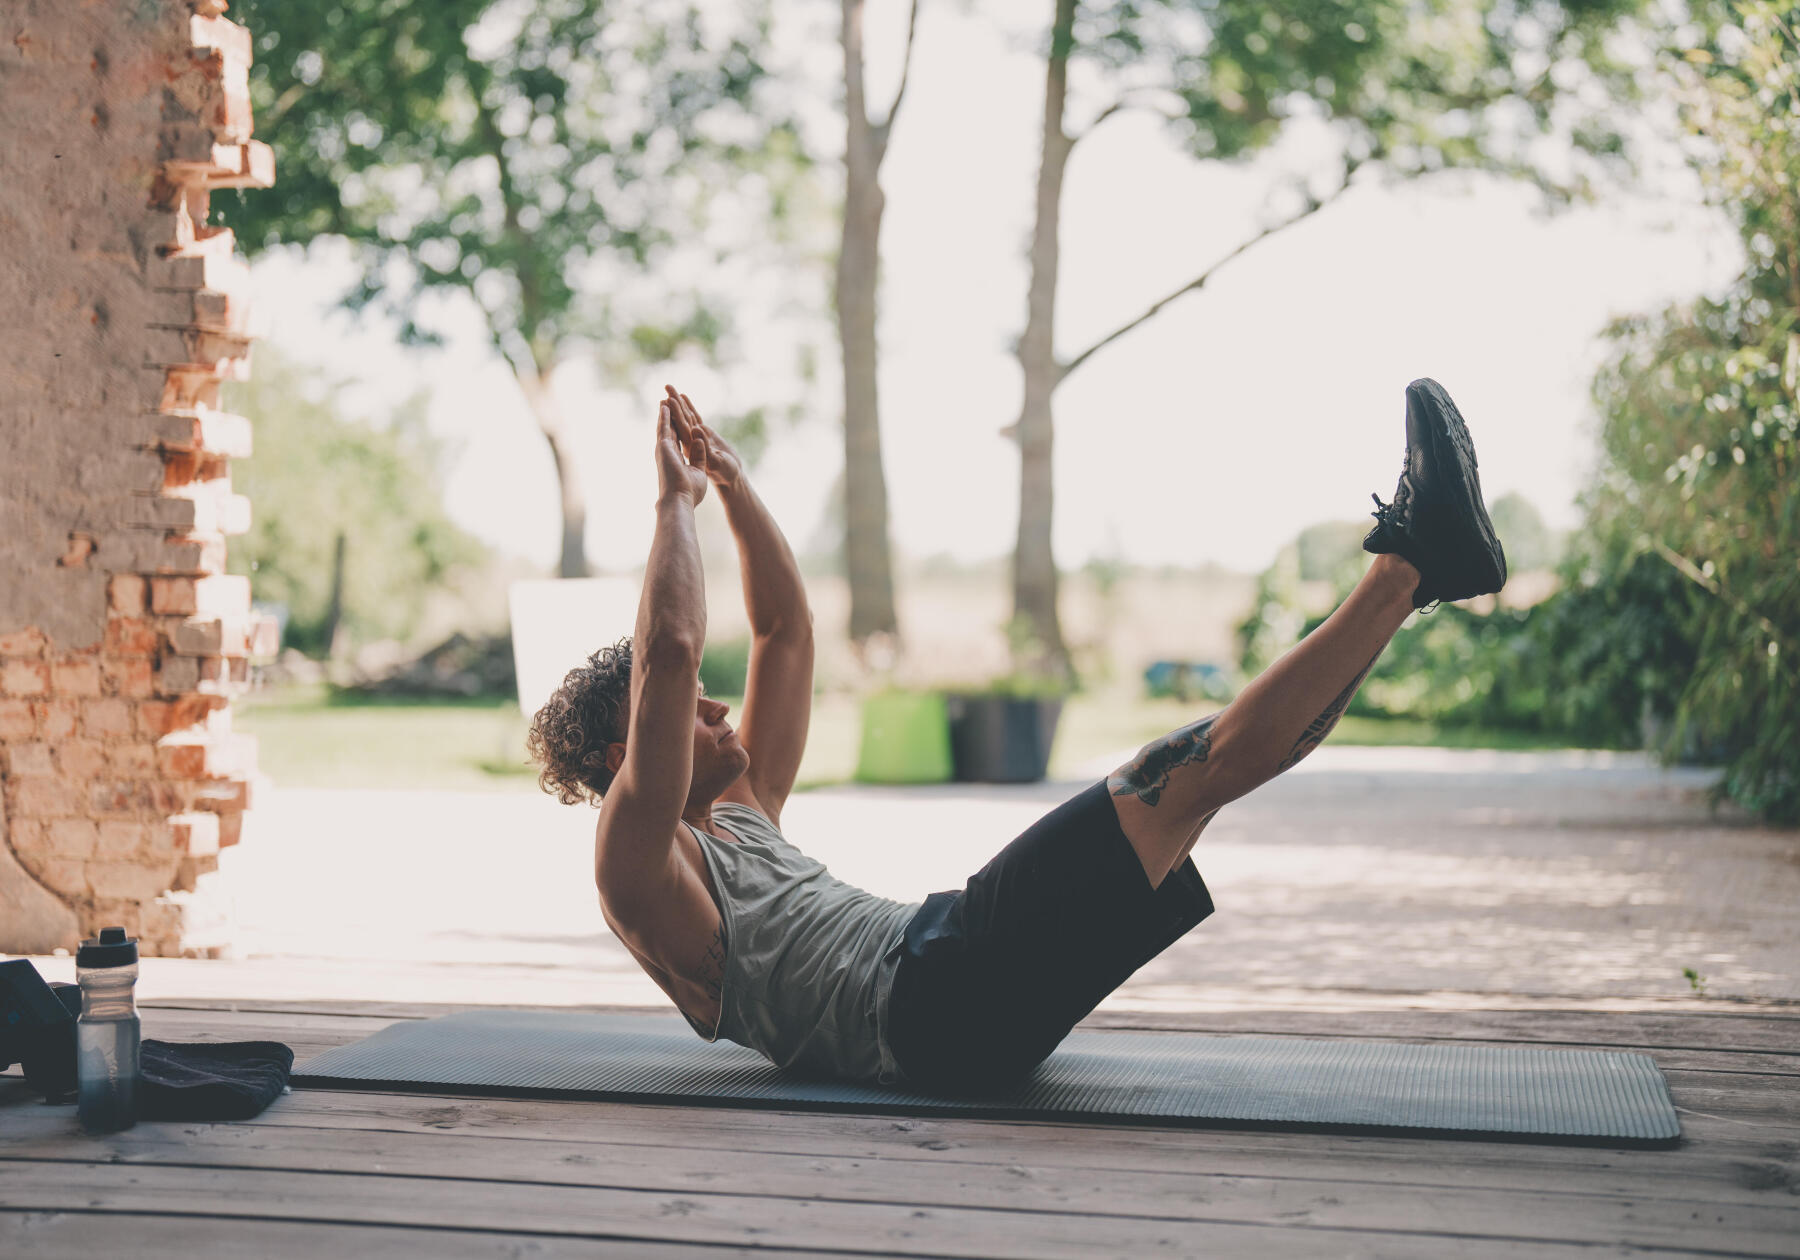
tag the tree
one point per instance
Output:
(349, 531)
(1406, 89)
(867, 555)
(1700, 411)
(538, 156)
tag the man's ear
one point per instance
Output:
(615, 757)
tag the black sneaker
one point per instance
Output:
(1437, 522)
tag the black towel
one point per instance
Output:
(220, 1080)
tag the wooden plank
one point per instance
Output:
(1720, 1160)
(1345, 1197)
(311, 1034)
(892, 1228)
(1771, 1027)
(95, 1235)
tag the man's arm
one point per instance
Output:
(778, 690)
(634, 842)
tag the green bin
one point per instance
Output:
(905, 738)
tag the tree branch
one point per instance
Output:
(1128, 101)
(1312, 207)
(886, 124)
(1695, 574)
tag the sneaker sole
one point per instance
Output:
(1452, 445)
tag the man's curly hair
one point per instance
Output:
(570, 733)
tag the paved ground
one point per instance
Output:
(1366, 878)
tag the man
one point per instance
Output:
(969, 990)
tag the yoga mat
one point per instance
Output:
(1159, 1078)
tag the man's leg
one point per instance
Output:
(1167, 794)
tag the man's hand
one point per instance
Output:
(722, 463)
(680, 456)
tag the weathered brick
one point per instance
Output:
(27, 642)
(131, 677)
(67, 876)
(127, 636)
(127, 881)
(224, 796)
(17, 720)
(72, 837)
(106, 717)
(26, 760)
(75, 678)
(57, 719)
(231, 829)
(120, 841)
(196, 834)
(126, 592)
(123, 796)
(160, 717)
(188, 555)
(222, 595)
(81, 758)
(49, 798)
(203, 429)
(183, 759)
(178, 675)
(29, 837)
(24, 677)
(132, 760)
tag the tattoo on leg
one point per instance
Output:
(1321, 726)
(712, 967)
(1148, 773)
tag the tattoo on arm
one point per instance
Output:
(1321, 726)
(712, 966)
(1148, 773)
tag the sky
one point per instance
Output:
(1213, 434)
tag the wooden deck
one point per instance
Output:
(327, 1174)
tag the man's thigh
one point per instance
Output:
(992, 977)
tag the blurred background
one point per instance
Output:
(1066, 341)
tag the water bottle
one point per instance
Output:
(106, 1035)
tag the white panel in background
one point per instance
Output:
(558, 623)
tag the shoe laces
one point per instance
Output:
(1388, 514)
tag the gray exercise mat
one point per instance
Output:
(1169, 1078)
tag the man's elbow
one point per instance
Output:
(790, 628)
(670, 650)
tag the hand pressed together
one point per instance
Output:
(680, 455)
(722, 463)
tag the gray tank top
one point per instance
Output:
(809, 959)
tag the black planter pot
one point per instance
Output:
(1001, 739)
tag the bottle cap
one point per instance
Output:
(113, 949)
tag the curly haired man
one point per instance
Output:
(969, 990)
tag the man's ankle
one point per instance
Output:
(1394, 576)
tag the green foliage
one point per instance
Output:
(725, 667)
(537, 155)
(315, 475)
(1416, 87)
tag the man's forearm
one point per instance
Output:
(672, 609)
(774, 595)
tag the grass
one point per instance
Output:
(311, 737)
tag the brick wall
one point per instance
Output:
(122, 640)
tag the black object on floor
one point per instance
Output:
(219, 1080)
(1584, 1096)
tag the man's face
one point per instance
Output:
(719, 759)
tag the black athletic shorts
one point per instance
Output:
(993, 977)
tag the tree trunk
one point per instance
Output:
(1034, 562)
(867, 558)
(334, 611)
(541, 398)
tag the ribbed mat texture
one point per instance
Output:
(1175, 1077)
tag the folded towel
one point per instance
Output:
(220, 1080)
